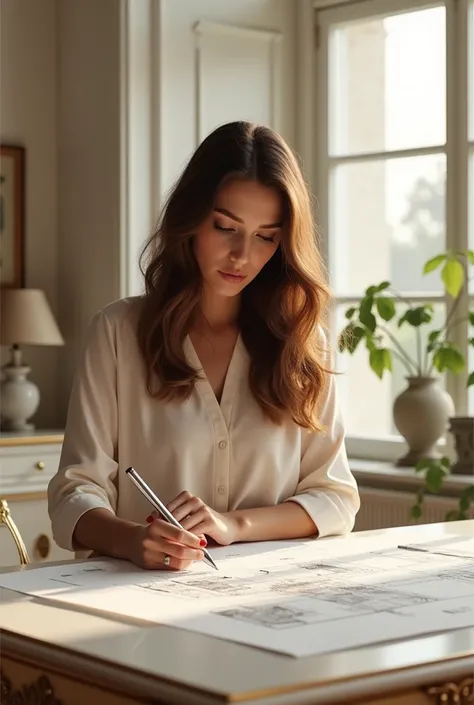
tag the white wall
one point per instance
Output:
(89, 170)
(129, 103)
(28, 117)
(189, 83)
(234, 80)
(105, 97)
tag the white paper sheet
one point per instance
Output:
(298, 598)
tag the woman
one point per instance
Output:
(214, 384)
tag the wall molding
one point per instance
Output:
(140, 132)
(306, 88)
(203, 28)
(372, 7)
(269, 35)
(124, 145)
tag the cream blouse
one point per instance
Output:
(227, 454)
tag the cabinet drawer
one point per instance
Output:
(27, 469)
(32, 520)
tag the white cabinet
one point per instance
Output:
(27, 463)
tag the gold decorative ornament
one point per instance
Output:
(6, 518)
(40, 692)
(40, 465)
(451, 693)
(42, 546)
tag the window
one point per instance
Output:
(392, 180)
(470, 189)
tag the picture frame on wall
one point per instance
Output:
(12, 216)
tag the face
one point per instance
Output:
(239, 237)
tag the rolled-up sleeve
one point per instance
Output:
(88, 466)
(327, 489)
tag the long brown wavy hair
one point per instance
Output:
(281, 309)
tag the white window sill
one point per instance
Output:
(387, 449)
(379, 474)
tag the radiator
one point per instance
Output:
(381, 509)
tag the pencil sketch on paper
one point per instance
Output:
(466, 573)
(75, 576)
(325, 567)
(370, 599)
(310, 598)
(219, 585)
(199, 587)
(272, 616)
(350, 602)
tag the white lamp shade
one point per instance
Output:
(26, 319)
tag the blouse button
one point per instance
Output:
(223, 444)
(221, 489)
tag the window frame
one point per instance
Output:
(459, 18)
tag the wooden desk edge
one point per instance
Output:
(133, 682)
(15, 441)
(62, 660)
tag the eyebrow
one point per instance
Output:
(224, 211)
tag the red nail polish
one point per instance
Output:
(203, 542)
(149, 519)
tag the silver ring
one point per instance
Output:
(166, 560)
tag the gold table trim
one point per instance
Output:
(6, 518)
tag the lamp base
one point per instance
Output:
(8, 426)
(19, 399)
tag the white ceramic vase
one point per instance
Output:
(421, 414)
(20, 398)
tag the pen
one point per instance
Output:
(434, 553)
(160, 507)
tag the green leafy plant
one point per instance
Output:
(368, 323)
(435, 473)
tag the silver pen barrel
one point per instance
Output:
(146, 490)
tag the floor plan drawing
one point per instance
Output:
(272, 616)
(298, 598)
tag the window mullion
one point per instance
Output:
(428, 297)
(321, 155)
(457, 166)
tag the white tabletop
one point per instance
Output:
(168, 662)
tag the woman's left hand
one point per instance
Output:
(197, 517)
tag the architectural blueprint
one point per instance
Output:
(298, 598)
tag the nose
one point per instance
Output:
(240, 251)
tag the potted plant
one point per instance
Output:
(422, 411)
(462, 430)
(434, 472)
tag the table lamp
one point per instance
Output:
(25, 319)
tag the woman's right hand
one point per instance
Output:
(163, 546)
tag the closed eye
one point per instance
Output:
(265, 238)
(224, 230)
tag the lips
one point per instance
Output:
(234, 277)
